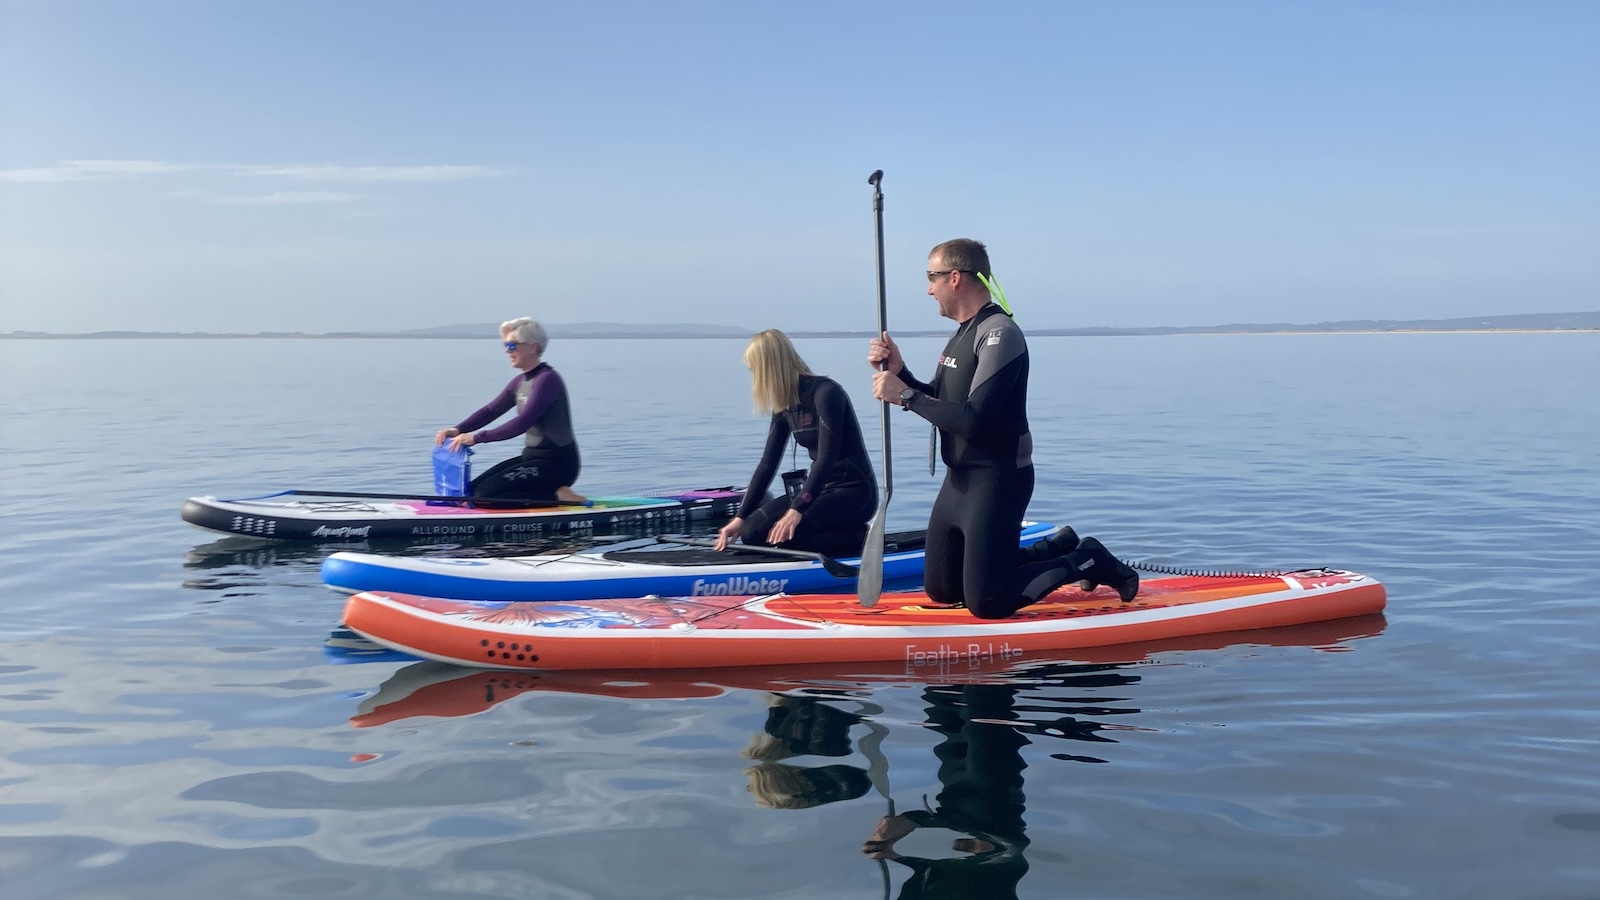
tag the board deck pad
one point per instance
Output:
(738, 553)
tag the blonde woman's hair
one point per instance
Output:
(525, 331)
(766, 748)
(780, 786)
(775, 370)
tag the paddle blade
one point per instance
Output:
(869, 584)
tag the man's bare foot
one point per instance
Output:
(568, 495)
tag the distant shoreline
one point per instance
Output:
(810, 335)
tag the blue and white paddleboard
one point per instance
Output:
(631, 569)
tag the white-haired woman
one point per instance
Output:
(548, 464)
(828, 512)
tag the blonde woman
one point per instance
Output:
(548, 463)
(782, 786)
(803, 726)
(829, 510)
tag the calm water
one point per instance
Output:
(171, 724)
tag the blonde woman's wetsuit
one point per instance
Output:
(840, 492)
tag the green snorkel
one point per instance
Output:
(993, 284)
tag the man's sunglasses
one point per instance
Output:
(935, 276)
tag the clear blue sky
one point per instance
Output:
(344, 165)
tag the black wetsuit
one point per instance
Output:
(978, 400)
(840, 492)
(980, 778)
(549, 458)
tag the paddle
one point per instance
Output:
(878, 774)
(870, 585)
(829, 564)
(440, 498)
(877, 765)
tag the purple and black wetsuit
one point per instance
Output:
(549, 458)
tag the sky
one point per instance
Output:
(377, 166)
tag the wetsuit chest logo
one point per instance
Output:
(949, 362)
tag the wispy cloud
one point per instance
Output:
(288, 197)
(375, 173)
(98, 169)
(90, 169)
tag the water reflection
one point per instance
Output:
(980, 800)
(231, 563)
(804, 726)
(259, 553)
(980, 804)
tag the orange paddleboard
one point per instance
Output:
(443, 690)
(784, 629)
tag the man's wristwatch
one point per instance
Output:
(906, 397)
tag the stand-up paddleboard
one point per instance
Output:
(443, 690)
(632, 569)
(302, 515)
(781, 629)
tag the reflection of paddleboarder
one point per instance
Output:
(980, 771)
(980, 777)
(801, 726)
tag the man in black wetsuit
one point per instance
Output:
(978, 400)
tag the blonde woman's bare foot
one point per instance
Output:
(568, 495)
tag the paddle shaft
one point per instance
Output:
(883, 326)
(870, 584)
(878, 773)
(829, 564)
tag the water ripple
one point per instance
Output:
(172, 727)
